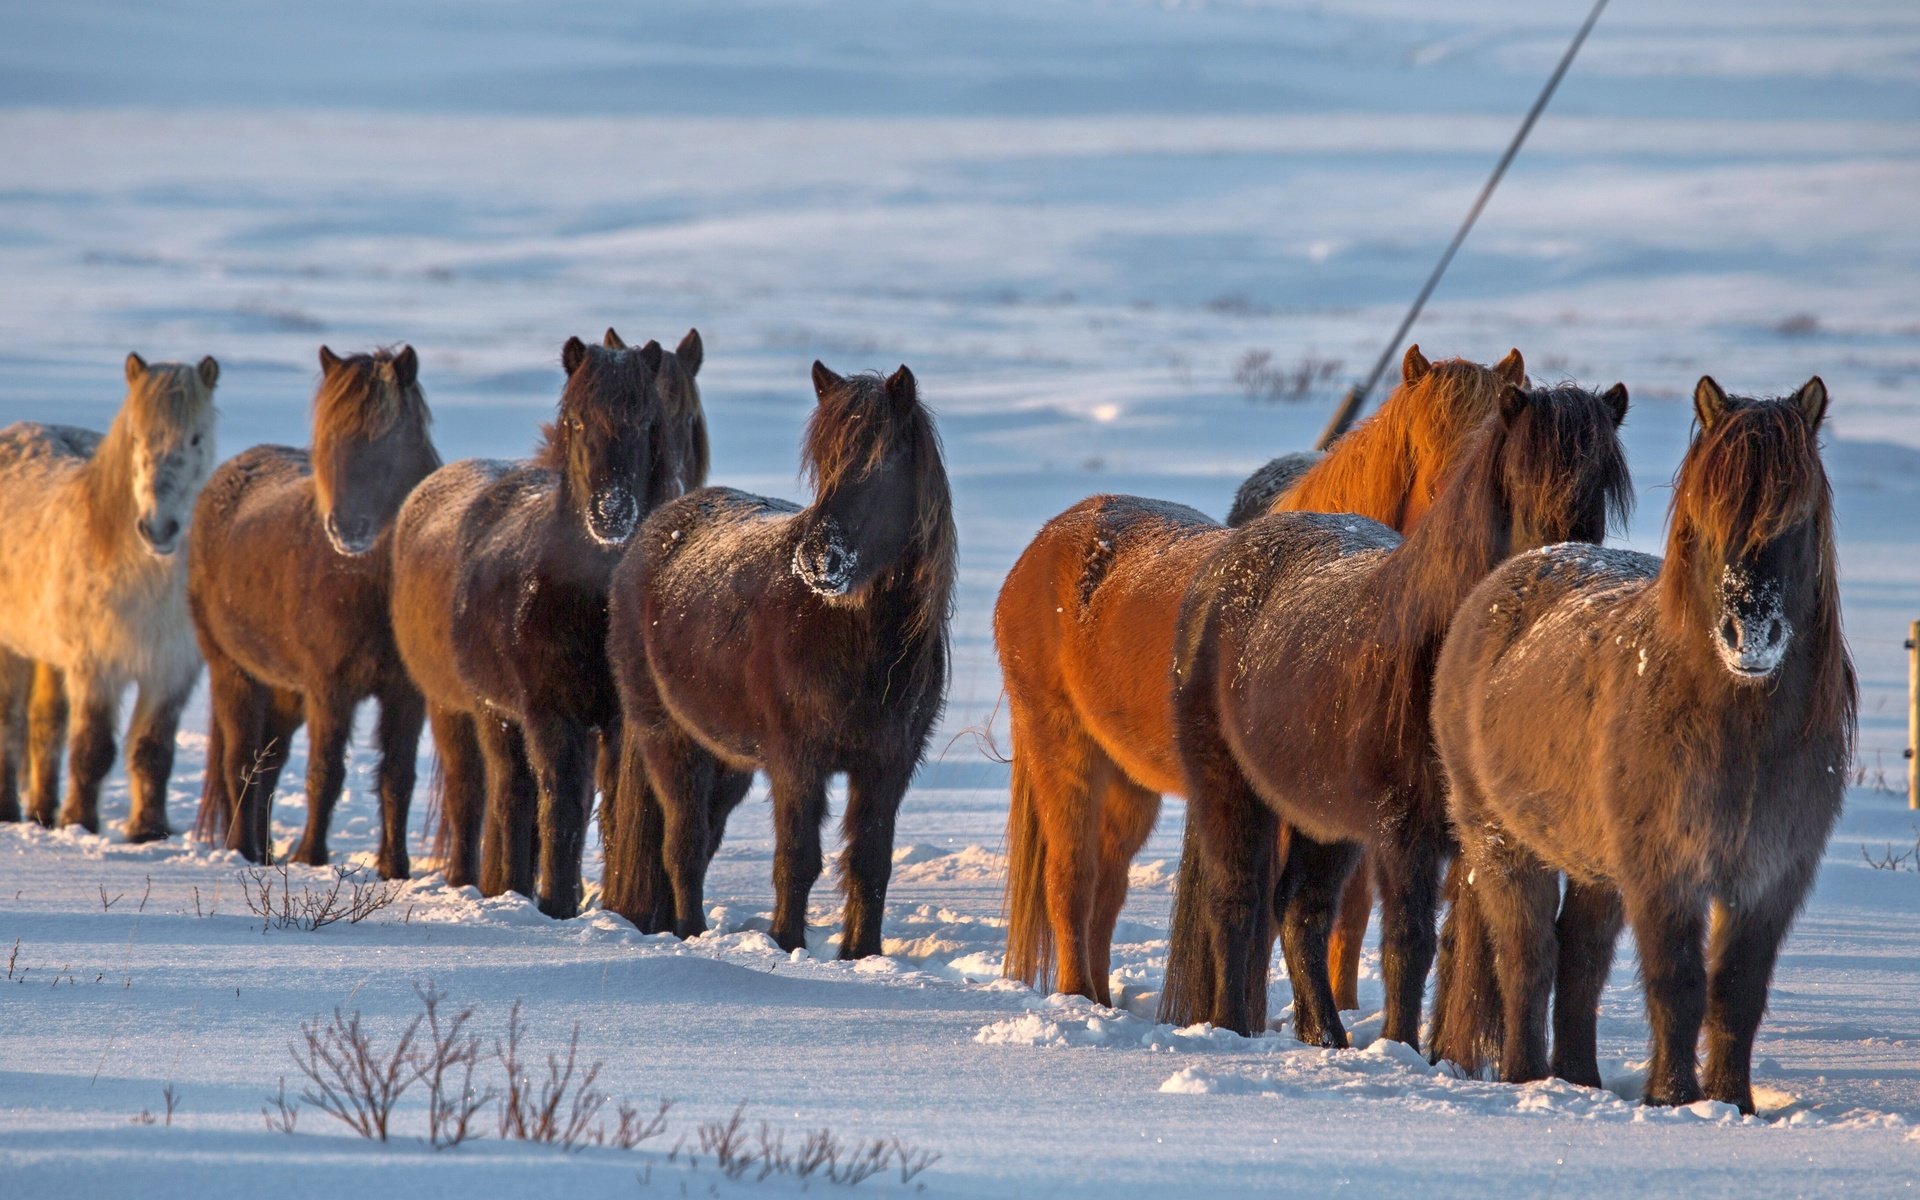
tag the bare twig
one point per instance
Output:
(351, 1080)
(445, 1062)
(285, 1113)
(172, 1099)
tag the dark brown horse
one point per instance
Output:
(1300, 694)
(749, 633)
(1672, 735)
(1085, 630)
(500, 604)
(288, 574)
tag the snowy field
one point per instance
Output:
(1073, 220)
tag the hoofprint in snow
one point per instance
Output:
(1073, 239)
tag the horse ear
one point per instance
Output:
(406, 367)
(210, 371)
(1414, 367)
(902, 388)
(1709, 402)
(690, 352)
(136, 367)
(1512, 368)
(573, 354)
(612, 340)
(1616, 398)
(329, 361)
(1513, 402)
(1812, 399)
(651, 354)
(824, 380)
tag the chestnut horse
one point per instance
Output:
(93, 595)
(499, 609)
(1084, 626)
(1674, 737)
(1305, 648)
(289, 570)
(748, 633)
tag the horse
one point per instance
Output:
(93, 596)
(1084, 627)
(499, 612)
(749, 633)
(1300, 695)
(1673, 736)
(288, 574)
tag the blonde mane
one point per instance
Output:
(1389, 467)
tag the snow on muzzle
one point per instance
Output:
(1753, 632)
(825, 563)
(613, 515)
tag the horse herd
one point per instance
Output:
(1407, 653)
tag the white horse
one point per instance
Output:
(93, 596)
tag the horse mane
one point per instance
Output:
(599, 371)
(1371, 470)
(680, 398)
(173, 395)
(848, 436)
(1506, 466)
(362, 398)
(1716, 511)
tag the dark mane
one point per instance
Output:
(680, 405)
(1556, 460)
(362, 398)
(600, 375)
(848, 436)
(1717, 511)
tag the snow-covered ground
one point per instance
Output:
(1073, 219)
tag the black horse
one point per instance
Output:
(747, 633)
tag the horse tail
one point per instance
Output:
(623, 828)
(1186, 997)
(1029, 935)
(1467, 1017)
(435, 829)
(210, 823)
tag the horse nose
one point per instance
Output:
(158, 535)
(353, 534)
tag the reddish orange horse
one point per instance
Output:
(1085, 627)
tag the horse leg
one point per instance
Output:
(799, 806)
(91, 755)
(402, 713)
(560, 753)
(1744, 944)
(506, 852)
(1589, 926)
(463, 782)
(150, 745)
(873, 801)
(282, 713)
(1409, 875)
(16, 684)
(1517, 898)
(606, 778)
(1054, 770)
(1308, 890)
(680, 775)
(1127, 816)
(329, 729)
(1668, 929)
(46, 741)
(1350, 935)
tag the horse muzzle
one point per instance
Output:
(352, 537)
(826, 566)
(161, 539)
(1752, 646)
(612, 516)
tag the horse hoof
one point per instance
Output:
(1671, 1094)
(72, 818)
(396, 869)
(136, 837)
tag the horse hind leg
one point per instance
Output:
(1517, 896)
(329, 729)
(90, 756)
(16, 684)
(561, 754)
(463, 785)
(403, 712)
(1052, 852)
(1409, 879)
(1308, 893)
(1588, 928)
(1128, 813)
(46, 741)
(150, 749)
(507, 847)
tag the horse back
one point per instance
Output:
(1085, 625)
(430, 546)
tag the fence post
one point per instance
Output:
(1913, 715)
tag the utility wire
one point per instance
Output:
(1356, 397)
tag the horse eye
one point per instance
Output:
(196, 439)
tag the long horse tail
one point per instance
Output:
(210, 823)
(1186, 997)
(624, 829)
(1029, 935)
(435, 830)
(1467, 1017)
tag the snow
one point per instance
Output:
(1072, 220)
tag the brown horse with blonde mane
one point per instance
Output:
(1084, 626)
(1305, 648)
(1672, 736)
